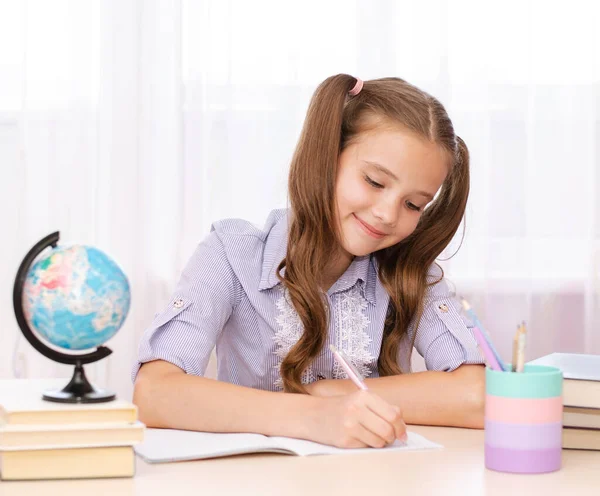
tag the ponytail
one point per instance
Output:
(312, 229)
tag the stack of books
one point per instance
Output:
(581, 398)
(45, 440)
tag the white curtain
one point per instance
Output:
(132, 125)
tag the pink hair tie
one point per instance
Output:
(357, 87)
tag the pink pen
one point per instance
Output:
(485, 349)
(349, 367)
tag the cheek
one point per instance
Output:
(353, 194)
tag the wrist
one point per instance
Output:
(307, 416)
(295, 417)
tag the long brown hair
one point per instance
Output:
(332, 122)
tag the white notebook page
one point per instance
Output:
(168, 445)
(304, 448)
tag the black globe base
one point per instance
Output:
(62, 396)
(79, 390)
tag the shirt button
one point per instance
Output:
(178, 303)
(443, 307)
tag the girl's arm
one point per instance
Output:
(167, 397)
(454, 398)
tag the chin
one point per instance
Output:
(358, 248)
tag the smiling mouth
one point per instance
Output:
(370, 230)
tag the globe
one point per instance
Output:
(68, 300)
(76, 297)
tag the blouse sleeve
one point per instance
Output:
(185, 332)
(444, 337)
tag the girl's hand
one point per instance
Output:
(358, 420)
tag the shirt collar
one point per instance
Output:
(275, 248)
(363, 269)
(362, 272)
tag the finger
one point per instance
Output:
(400, 426)
(390, 413)
(365, 435)
(377, 425)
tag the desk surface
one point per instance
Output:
(456, 469)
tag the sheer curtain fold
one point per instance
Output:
(95, 152)
(131, 126)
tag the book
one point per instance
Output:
(27, 407)
(581, 417)
(49, 436)
(581, 373)
(172, 445)
(68, 463)
(581, 439)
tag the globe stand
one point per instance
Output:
(79, 389)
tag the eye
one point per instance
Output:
(373, 183)
(412, 206)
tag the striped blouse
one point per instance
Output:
(229, 296)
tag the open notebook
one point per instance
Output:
(170, 445)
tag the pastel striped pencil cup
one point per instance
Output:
(523, 420)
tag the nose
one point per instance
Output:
(387, 212)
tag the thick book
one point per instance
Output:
(49, 436)
(581, 439)
(581, 417)
(70, 463)
(32, 409)
(21, 403)
(581, 373)
(172, 445)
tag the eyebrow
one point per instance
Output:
(389, 173)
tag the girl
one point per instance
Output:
(378, 186)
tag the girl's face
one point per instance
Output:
(385, 179)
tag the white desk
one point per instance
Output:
(458, 469)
